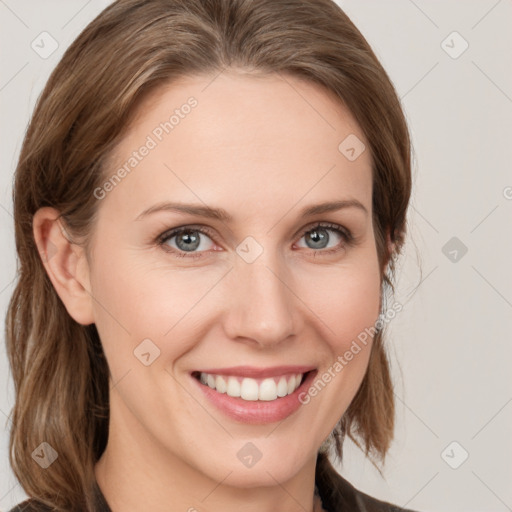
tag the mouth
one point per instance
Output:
(252, 389)
(255, 396)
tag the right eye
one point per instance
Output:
(185, 240)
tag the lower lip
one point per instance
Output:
(256, 412)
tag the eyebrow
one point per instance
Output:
(222, 215)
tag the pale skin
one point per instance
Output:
(261, 148)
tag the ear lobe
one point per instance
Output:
(390, 245)
(65, 263)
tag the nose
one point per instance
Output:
(263, 309)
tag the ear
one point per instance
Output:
(65, 263)
(390, 244)
(391, 247)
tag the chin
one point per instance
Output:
(260, 467)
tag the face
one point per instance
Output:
(194, 308)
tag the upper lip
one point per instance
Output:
(257, 373)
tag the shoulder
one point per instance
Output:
(30, 505)
(368, 504)
(346, 497)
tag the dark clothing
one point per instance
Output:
(351, 500)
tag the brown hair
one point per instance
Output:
(134, 46)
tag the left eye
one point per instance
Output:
(319, 236)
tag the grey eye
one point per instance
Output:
(319, 237)
(187, 240)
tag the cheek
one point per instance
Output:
(136, 301)
(347, 301)
(359, 309)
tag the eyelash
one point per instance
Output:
(345, 234)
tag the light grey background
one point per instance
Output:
(450, 346)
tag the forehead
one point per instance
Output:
(241, 140)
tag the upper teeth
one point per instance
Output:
(252, 389)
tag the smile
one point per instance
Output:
(252, 395)
(250, 389)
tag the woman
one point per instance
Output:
(208, 203)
